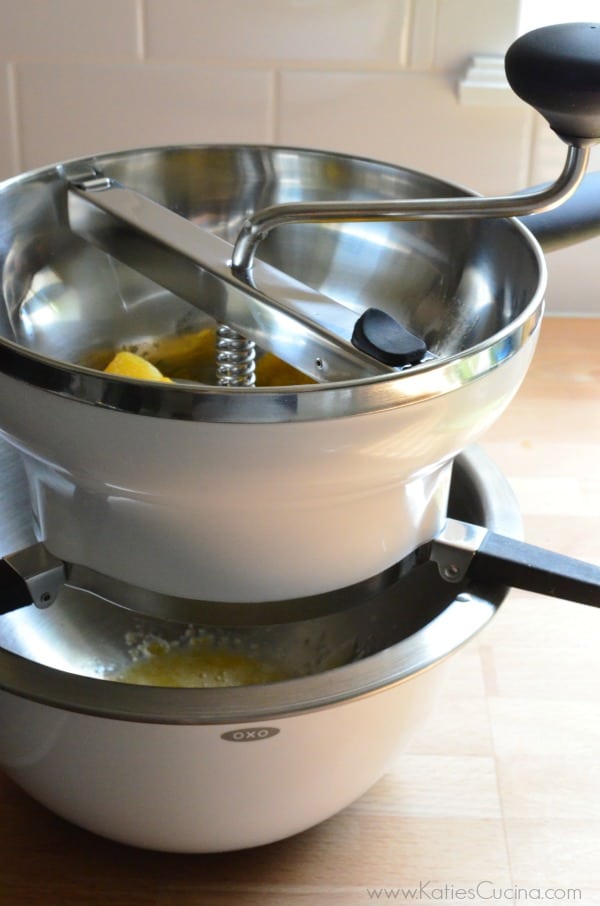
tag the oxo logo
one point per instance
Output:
(250, 734)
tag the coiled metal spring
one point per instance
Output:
(235, 358)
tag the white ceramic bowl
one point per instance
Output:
(200, 770)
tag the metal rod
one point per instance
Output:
(260, 224)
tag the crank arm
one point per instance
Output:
(469, 552)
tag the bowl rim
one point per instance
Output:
(190, 401)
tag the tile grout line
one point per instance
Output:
(16, 147)
(140, 31)
(405, 37)
(274, 106)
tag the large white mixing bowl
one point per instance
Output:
(199, 770)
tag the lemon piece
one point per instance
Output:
(192, 357)
(128, 364)
(188, 356)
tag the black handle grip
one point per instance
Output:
(13, 589)
(573, 221)
(510, 562)
(556, 69)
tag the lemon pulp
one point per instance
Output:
(198, 666)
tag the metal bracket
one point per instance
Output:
(43, 573)
(454, 548)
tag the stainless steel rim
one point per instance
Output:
(463, 619)
(257, 405)
(192, 402)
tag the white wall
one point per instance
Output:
(373, 77)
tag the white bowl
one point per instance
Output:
(201, 770)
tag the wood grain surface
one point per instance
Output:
(500, 792)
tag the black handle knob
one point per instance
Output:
(557, 70)
(384, 338)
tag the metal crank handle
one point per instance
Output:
(554, 69)
(30, 576)
(463, 551)
(325, 341)
(257, 227)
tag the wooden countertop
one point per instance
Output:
(501, 789)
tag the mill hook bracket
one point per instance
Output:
(30, 576)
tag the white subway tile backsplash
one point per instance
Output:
(77, 29)
(71, 110)
(466, 29)
(372, 77)
(414, 120)
(423, 31)
(266, 31)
